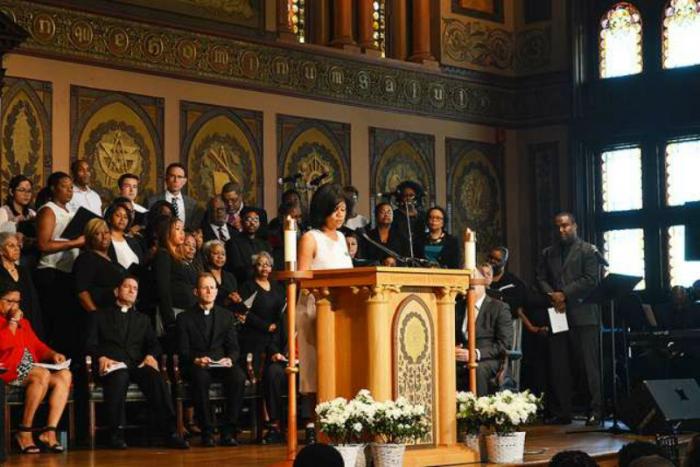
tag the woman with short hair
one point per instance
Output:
(124, 249)
(15, 273)
(214, 254)
(436, 245)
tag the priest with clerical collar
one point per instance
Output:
(208, 347)
(123, 343)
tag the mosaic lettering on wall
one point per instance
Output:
(414, 358)
(396, 156)
(26, 131)
(491, 10)
(483, 46)
(247, 13)
(113, 42)
(220, 145)
(544, 169)
(313, 147)
(118, 133)
(475, 191)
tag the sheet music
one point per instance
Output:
(220, 363)
(55, 366)
(114, 367)
(248, 302)
(557, 321)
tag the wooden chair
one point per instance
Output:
(95, 395)
(252, 396)
(14, 397)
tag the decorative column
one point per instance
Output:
(325, 340)
(421, 32)
(364, 24)
(447, 372)
(342, 24)
(11, 36)
(317, 17)
(396, 24)
(379, 318)
(285, 32)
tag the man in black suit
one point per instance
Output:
(242, 247)
(568, 272)
(214, 226)
(494, 336)
(208, 347)
(120, 335)
(186, 208)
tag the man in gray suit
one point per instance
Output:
(494, 336)
(186, 208)
(567, 271)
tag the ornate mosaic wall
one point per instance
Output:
(25, 131)
(313, 147)
(219, 145)
(118, 133)
(396, 156)
(475, 191)
(544, 170)
(414, 357)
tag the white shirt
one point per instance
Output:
(138, 207)
(125, 255)
(88, 199)
(180, 204)
(220, 234)
(357, 222)
(61, 260)
(477, 308)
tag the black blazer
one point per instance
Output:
(449, 256)
(192, 343)
(576, 277)
(239, 251)
(209, 233)
(397, 242)
(494, 328)
(175, 282)
(105, 340)
(137, 246)
(193, 213)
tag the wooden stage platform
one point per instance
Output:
(542, 443)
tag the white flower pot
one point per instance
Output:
(388, 455)
(506, 449)
(476, 443)
(350, 453)
(364, 457)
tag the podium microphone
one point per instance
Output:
(289, 179)
(317, 180)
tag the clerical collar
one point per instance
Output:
(124, 309)
(206, 310)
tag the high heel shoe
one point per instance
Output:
(30, 449)
(57, 448)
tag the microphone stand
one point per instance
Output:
(408, 227)
(414, 262)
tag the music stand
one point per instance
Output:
(612, 288)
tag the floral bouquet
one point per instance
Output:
(469, 419)
(347, 422)
(505, 411)
(399, 421)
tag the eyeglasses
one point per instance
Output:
(23, 190)
(7, 300)
(436, 218)
(252, 219)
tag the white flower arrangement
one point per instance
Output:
(503, 412)
(399, 421)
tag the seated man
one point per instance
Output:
(494, 336)
(208, 347)
(119, 334)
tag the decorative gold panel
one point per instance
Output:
(413, 340)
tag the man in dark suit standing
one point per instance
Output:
(209, 350)
(186, 208)
(214, 226)
(119, 336)
(568, 272)
(494, 337)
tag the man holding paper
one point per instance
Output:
(123, 343)
(208, 346)
(567, 272)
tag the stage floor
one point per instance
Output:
(542, 443)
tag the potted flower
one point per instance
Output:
(470, 421)
(394, 424)
(505, 412)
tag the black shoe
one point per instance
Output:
(116, 440)
(176, 441)
(208, 440)
(594, 420)
(273, 437)
(557, 421)
(310, 435)
(228, 440)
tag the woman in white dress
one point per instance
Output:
(323, 247)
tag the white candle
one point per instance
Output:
(470, 249)
(290, 241)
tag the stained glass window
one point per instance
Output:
(682, 169)
(624, 250)
(621, 41)
(680, 271)
(681, 33)
(622, 179)
(299, 19)
(379, 25)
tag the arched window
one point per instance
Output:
(379, 25)
(299, 19)
(621, 41)
(681, 33)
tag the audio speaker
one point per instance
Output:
(658, 405)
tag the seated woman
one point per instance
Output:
(13, 272)
(96, 275)
(20, 348)
(262, 319)
(386, 234)
(124, 249)
(437, 245)
(214, 252)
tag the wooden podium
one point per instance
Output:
(392, 331)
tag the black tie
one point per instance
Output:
(176, 208)
(221, 233)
